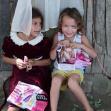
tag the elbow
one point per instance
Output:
(94, 55)
(52, 57)
(53, 54)
(48, 62)
(3, 58)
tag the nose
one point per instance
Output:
(69, 29)
(38, 27)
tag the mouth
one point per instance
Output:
(36, 31)
(69, 35)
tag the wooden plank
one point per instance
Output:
(85, 3)
(97, 63)
(89, 19)
(107, 61)
(89, 23)
(0, 16)
(108, 26)
(5, 16)
(100, 23)
(107, 65)
(4, 25)
(13, 4)
(99, 34)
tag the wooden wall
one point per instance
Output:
(98, 24)
(97, 19)
(6, 12)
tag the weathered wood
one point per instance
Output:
(107, 65)
(97, 65)
(108, 27)
(107, 61)
(5, 18)
(100, 24)
(0, 16)
(85, 3)
(99, 35)
(89, 22)
(89, 19)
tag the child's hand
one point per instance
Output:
(76, 45)
(27, 63)
(20, 63)
(29, 66)
(25, 59)
(65, 43)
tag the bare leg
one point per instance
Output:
(55, 90)
(74, 86)
(13, 109)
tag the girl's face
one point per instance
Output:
(36, 27)
(69, 27)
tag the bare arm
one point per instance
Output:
(86, 46)
(8, 60)
(21, 65)
(15, 61)
(43, 62)
(53, 49)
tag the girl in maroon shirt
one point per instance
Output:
(35, 69)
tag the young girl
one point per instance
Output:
(70, 37)
(29, 56)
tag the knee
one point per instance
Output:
(72, 82)
(57, 80)
(12, 109)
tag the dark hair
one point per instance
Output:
(73, 13)
(37, 14)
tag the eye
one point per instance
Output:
(74, 27)
(35, 23)
(65, 25)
